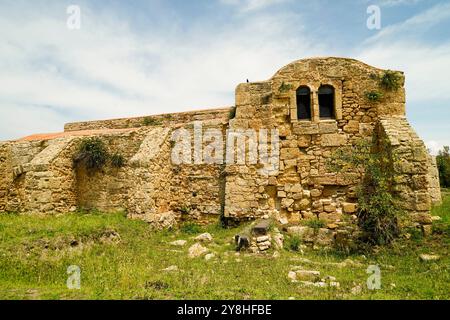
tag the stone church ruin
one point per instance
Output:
(315, 106)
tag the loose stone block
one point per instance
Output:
(307, 275)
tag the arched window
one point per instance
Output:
(303, 103)
(326, 102)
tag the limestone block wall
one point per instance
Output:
(6, 173)
(15, 157)
(50, 179)
(37, 177)
(161, 119)
(151, 175)
(434, 187)
(197, 189)
(148, 184)
(107, 189)
(413, 184)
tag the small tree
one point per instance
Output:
(117, 160)
(443, 164)
(390, 80)
(377, 214)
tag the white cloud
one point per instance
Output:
(393, 3)
(409, 27)
(27, 119)
(426, 65)
(105, 70)
(252, 5)
(434, 146)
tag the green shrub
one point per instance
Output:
(390, 80)
(415, 233)
(150, 121)
(374, 96)
(374, 76)
(441, 228)
(92, 153)
(232, 113)
(293, 243)
(378, 216)
(117, 160)
(284, 87)
(185, 210)
(190, 228)
(443, 164)
(315, 223)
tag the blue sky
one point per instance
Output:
(135, 58)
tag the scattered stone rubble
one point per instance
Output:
(197, 250)
(179, 243)
(311, 278)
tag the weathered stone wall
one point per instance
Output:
(149, 184)
(46, 180)
(107, 190)
(50, 179)
(434, 187)
(38, 175)
(160, 119)
(6, 173)
(16, 156)
(414, 186)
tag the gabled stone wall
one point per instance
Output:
(304, 188)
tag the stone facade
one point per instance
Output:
(37, 174)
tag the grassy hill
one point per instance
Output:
(123, 259)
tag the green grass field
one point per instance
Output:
(35, 253)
